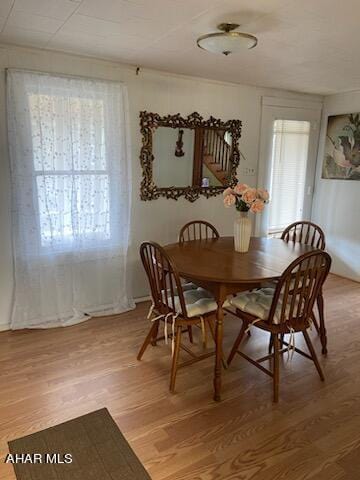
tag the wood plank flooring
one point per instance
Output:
(50, 376)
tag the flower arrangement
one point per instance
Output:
(246, 198)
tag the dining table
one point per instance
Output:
(215, 265)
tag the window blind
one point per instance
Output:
(288, 172)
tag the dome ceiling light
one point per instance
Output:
(227, 40)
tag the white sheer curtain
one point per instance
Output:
(71, 183)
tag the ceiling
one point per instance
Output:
(304, 45)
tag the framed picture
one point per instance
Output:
(342, 147)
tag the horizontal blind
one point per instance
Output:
(288, 172)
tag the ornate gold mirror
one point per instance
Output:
(187, 156)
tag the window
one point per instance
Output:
(288, 173)
(70, 166)
(70, 159)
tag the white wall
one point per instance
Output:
(159, 220)
(336, 204)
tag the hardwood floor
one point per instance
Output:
(50, 376)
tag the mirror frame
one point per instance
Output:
(150, 121)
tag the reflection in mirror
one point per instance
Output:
(191, 157)
(173, 150)
(212, 166)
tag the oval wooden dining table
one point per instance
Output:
(215, 265)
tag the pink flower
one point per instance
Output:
(263, 194)
(257, 206)
(240, 188)
(249, 195)
(229, 200)
(228, 191)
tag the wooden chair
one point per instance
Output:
(174, 306)
(305, 232)
(310, 234)
(197, 230)
(285, 309)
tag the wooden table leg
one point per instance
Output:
(219, 346)
(320, 304)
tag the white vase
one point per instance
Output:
(242, 232)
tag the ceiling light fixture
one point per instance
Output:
(226, 41)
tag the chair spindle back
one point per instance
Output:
(198, 230)
(298, 288)
(305, 232)
(165, 285)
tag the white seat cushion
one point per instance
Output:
(189, 286)
(198, 302)
(185, 288)
(258, 303)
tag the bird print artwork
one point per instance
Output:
(342, 147)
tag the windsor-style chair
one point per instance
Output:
(285, 309)
(305, 232)
(310, 234)
(197, 230)
(171, 303)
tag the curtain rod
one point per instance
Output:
(62, 75)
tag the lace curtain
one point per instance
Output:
(71, 184)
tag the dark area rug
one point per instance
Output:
(93, 442)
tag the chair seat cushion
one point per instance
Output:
(258, 303)
(185, 287)
(198, 301)
(189, 286)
